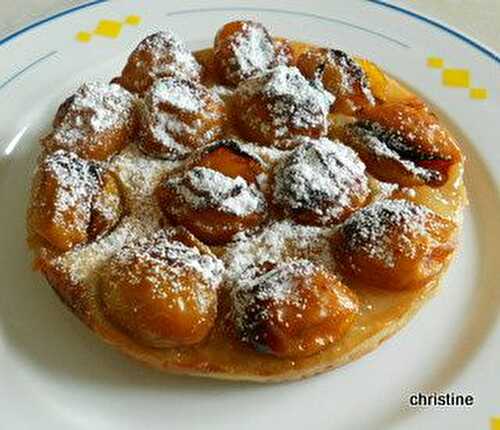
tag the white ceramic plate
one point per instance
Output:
(54, 374)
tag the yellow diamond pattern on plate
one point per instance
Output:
(495, 423)
(435, 62)
(479, 94)
(133, 20)
(108, 28)
(456, 78)
(83, 36)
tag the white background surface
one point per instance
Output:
(477, 18)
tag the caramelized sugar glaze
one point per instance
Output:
(262, 210)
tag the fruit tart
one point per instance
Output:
(263, 209)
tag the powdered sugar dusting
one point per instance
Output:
(222, 91)
(203, 188)
(263, 262)
(77, 182)
(95, 108)
(385, 228)
(290, 99)
(289, 250)
(283, 52)
(253, 51)
(178, 94)
(176, 110)
(267, 153)
(322, 176)
(280, 241)
(385, 144)
(169, 55)
(84, 263)
(108, 206)
(351, 74)
(162, 126)
(384, 190)
(139, 177)
(166, 254)
(304, 104)
(277, 284)
(270, 288)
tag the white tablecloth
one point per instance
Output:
(477, 18)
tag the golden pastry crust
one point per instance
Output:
(366, 314)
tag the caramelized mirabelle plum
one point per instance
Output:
(177, 116)
(230, 159)
(378, 83)
(403, 143)
(212, 206)
(107, 207)
(162, 290)
(340, 75)
(159, 55)
(394, 245)
(284, 51)
(74, 200)
(292, 309)
(243, 49)
(217, 194)
(320, 182)
(96, 122)
(279, 105)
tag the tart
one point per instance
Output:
(263, 209)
